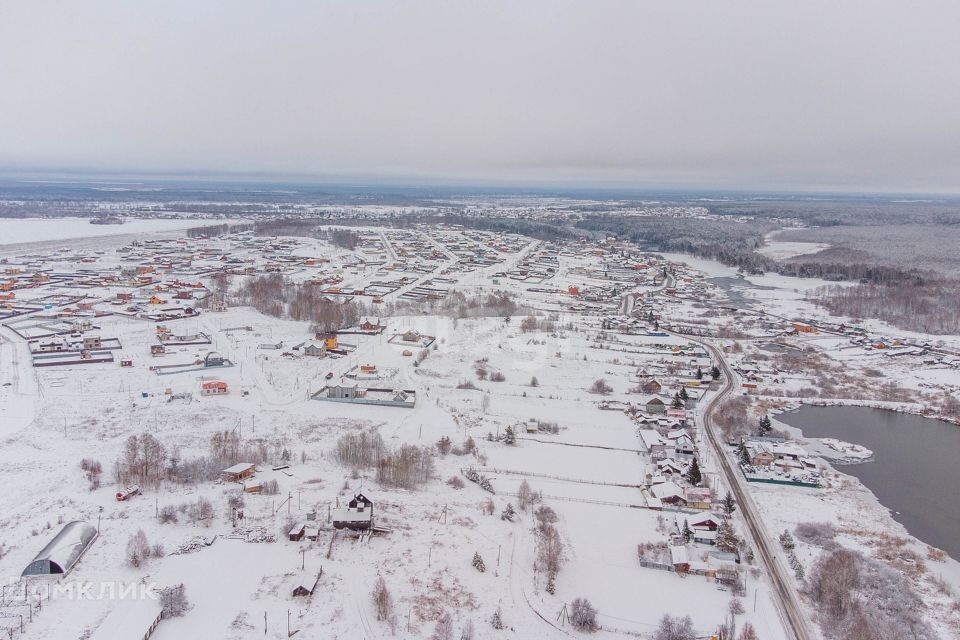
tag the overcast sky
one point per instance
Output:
(811, 94)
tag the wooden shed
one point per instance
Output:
(239, 472)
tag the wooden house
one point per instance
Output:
(297, 532)
(372, 325)
(650, 387)
(356, 516)
(239, 472)
(760, 454)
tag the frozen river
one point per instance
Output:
(27, 230)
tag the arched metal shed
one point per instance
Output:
(63, 551)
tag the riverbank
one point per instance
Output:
(908, 408)
(864, 523)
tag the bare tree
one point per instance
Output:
(444, 627)
(444, 445)
(601, 387)
(167, 514)
(381, 599)
(524, 495)
(583, 616)
(138, 549)
(736, 607)
(93, 470)
(174, 601)
(671, 628)
(549, 554)
(748, 632)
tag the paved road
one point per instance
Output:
(785, 594)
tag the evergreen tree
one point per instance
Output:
(715, 372)
(764, 427)
(683, 394)
(727, 538)
(694, 476)
(687, 532)
(786, 541)
(478, 562)
(509, 437)
(677, 402)
(508, 513)
(699, 373)
(551, 587)
(743, 454)
(729, 504)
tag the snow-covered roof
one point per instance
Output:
(240, 467)
(667, 490)
(678, 555)
(649, 437)
(695, 520)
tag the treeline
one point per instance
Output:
(727, 241)
(549, 231)
(927, 306)
(218, 230)
(735, 244)
(288, 227)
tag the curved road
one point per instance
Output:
(788, 602)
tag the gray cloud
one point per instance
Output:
(862, 94)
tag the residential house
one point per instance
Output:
(654, 404)
(357, 516)
(214, 388)
(315, 349)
